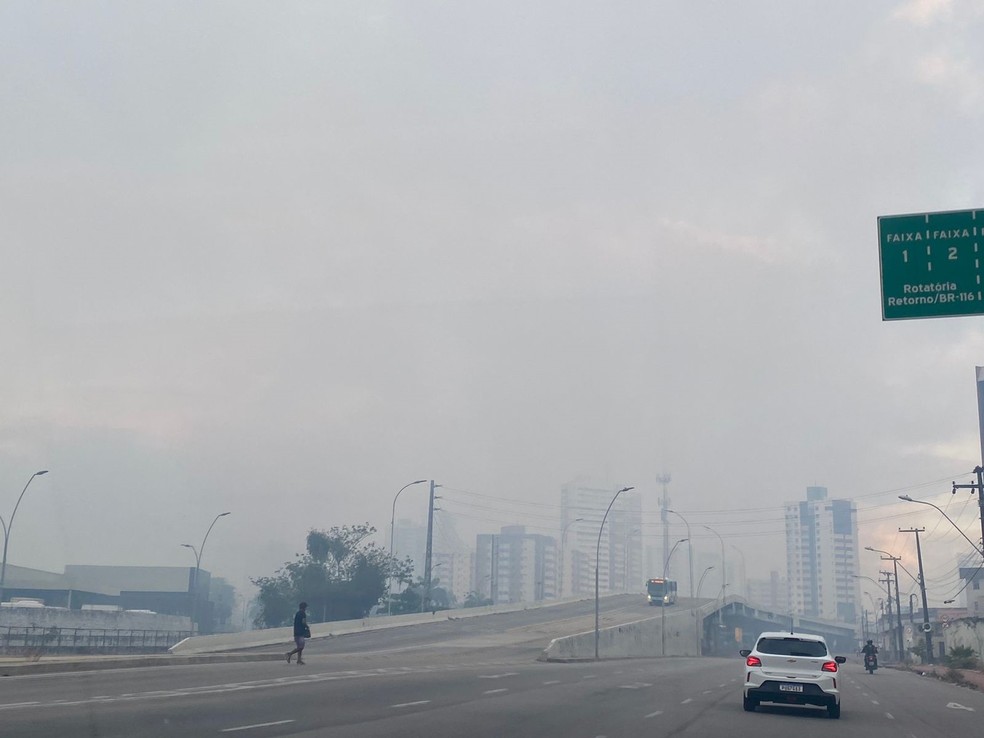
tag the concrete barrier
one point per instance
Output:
(669, 633)
(283, 636)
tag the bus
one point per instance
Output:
(661, 591)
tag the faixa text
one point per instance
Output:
(930, 235)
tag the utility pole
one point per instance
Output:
(425, 599)
(888, 588)
(664, 509)
(979, 488)
(898, 605)
(927, 628)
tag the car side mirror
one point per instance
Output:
(745, 652)
(840, 659)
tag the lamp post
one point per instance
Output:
(724, 569)
(886, 556)
(874, 607)
(959, 529)
(563, 538)
(597, 632)
(9, 526)
(878, 611)
(701, 581)
(699, 621)
(690, 550)
(662, 612)
(389, 582)
(199, 553)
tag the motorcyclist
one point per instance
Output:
(870, 650)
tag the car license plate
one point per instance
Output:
(790, 687)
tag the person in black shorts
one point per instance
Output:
(301, 633)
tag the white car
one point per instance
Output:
(792, 669)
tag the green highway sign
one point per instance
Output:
(931, 264)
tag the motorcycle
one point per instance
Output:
(870, 662)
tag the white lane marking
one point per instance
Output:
(958, 706)
(495, 691)
(590, 676)
(308, 678)
(689, 699)
(553, 681)
(889, 716)
(654, 714)
(18, 704)
(635, 685)
(498, 676)
(874, 702)
(707, 691)
(410, 704)
(722, 686)
(257, 725)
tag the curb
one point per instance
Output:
(60, 667)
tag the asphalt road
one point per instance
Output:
(467, 683)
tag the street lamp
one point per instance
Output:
(724, 568)
(389, 583)
(662, 612)
(7, 528)
(701, 581)
(873, 581)
(923, 502)
(563, 538)
(690, 550)
(597, 633)
(199, 553)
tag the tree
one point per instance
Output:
(340, 577)
(474, 599)
(409, 600)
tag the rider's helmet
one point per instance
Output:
(869, 642)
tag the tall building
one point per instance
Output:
(822, 557)
(516, 566)
(410, 539)
(454, 572)
(771, 593)
(620, 557)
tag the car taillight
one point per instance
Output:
(756, 661)
(829, 666)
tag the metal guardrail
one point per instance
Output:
(35, 640)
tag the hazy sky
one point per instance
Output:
(283, 258)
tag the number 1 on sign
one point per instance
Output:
(905, 256)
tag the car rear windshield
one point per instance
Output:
(791, 647)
